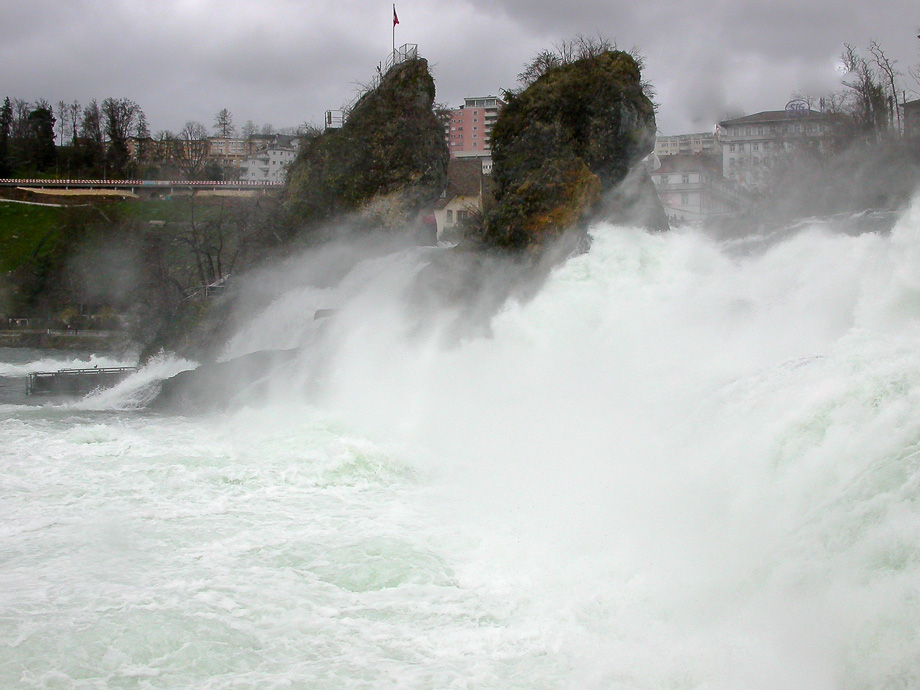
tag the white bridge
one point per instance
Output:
(142, 187)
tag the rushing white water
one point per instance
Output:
(680, 465)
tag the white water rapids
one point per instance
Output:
(683, 464)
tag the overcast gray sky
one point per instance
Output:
(286, 62)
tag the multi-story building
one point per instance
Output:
(753, 144)
(268, 165)
(469, 127)
(691, 187)
(911, 118)
(703, 142)
(229, 152)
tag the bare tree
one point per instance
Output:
(120, 117)
(167, 145)
(542, 63)
(579, 48)
(62, 115)
(915, 71)
(889, 75)
(193, 148)
(870, 110)
(73, 111)
(92, 140)
(21, 110)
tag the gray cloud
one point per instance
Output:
(286, 61)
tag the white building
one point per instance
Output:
(704, 142)
(752, 145)
(463, 197)
(268, 165)
(691, 188)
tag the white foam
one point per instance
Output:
(674, 467)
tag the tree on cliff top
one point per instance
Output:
(578, 48)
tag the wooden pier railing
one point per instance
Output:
(75, 381)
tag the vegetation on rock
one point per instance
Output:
(385, 165)
(561, 145)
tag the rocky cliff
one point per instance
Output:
(567, 149)
(386, 164)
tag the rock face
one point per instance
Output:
(568, 149)
(385, 165)
(217, 386)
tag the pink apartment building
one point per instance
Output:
(468, 128)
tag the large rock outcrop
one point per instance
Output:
(385, 165)
(568, 149)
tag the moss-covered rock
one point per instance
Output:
(383, 166)
(562, 146)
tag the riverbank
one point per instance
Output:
(100, 342)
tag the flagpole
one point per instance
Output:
(394, 33)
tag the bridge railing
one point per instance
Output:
(138, 183)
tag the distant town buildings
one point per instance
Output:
(691, 187)
(911, 118)
(468, 129)
(463, 196)
(228, 151)
(753, 144)
(686, 144)
(258, 158)
(269, 164)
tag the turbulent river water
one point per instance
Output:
(686, 462)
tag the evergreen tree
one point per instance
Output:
(41, 149)
(6, 128)
(223, 123)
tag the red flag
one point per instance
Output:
(395, 18)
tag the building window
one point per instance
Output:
(450, 216)
(684, 199)
(731, 148)
(757, 147)
(685, 179)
